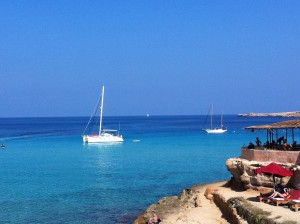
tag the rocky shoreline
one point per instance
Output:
(282, 114)
(194, 204)
(216, 202)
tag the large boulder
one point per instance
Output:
(243, 172)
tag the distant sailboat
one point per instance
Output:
(212, 130)
(104, 135)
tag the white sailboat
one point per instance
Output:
(104, 135)
(212, 130)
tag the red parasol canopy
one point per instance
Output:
(274, 169)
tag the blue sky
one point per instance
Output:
(157, 57)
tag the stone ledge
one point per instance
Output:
(213, 207)
(271, 156)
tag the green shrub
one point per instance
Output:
(251, 213)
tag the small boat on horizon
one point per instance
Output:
(136, 140)
(104, 135)
(212, 130)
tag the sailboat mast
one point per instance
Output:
(211, 114)
(101, 110)
(221, 119)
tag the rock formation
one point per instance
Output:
(243, 174)
(189, 198)
(193, 204)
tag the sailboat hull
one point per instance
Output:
(215, 131)
(102, 138)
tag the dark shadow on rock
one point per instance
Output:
(252, 199)
(298, 160)
(234, 185)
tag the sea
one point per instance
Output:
(48, 175)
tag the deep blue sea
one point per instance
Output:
(49, 176)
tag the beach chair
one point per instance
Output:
(264, 197)
(295, 204)
(293, 196)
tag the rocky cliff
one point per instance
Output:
(243, 174)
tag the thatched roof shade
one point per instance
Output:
(280, 125)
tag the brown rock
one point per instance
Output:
(243, 172)
(209, 193)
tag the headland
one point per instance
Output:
(280, 114)
(236, 201)
(217, 203)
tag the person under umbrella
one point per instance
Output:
(275, 170)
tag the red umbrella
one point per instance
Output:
(275, 170)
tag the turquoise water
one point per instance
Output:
(49, 176)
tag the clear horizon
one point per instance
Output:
(153, 115)
(156, 57)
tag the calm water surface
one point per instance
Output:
(49, 176)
